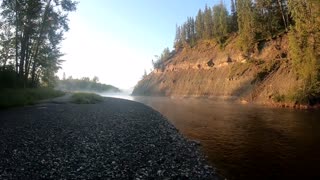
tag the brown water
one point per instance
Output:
(246, 141)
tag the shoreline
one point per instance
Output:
(113, 139)
(240, 100)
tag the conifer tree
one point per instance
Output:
(220, 22)
(246, 25)
(233, 19)
(200, 25)
(208, 23)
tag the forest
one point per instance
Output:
(252, 21)
(31, 32)
(85, 84)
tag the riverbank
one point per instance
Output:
(27, 96)
(112, 139)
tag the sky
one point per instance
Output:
(116, 40)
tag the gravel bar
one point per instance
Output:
(115, 139)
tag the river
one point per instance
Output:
(247, 141)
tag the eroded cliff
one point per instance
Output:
(210, 70)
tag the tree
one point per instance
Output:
(165, 56)
(144, 74)
(220, 22)
(95, 79)
(199, 25)
(270, 18)
(304, 47)
(246, 25)
(208, 24)
(6, 45)
(178, 38)
(234, 17)
(39, 26)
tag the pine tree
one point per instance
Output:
(233, 23)
(246, 25)
(269, 18)
(208, 23)
(200, 25)
(178, 40)
(220, 22)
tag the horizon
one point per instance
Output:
(117, 40)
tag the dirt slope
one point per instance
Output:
(212, 71)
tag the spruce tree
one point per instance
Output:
(246, 25)
(208, 23)
(200, 25)
(233, 23)
(220, 22)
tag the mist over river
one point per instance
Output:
(247, 141)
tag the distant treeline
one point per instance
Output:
(85, 84)
(253, 21)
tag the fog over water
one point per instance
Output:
(247, 141)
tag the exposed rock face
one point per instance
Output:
(209, 70)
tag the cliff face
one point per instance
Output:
(209, 70)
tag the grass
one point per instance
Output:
(86, 98)
(21, 97)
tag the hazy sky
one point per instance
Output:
(117, 39)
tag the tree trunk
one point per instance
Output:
(27, 64)
(17, 34)
(39, 40)
(33, 74)
(283, 16)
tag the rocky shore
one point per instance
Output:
(115, 139)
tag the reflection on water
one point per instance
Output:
(246, 141)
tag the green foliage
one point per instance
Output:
(246, 25)
(271, 17)
(279, 98)
(304, 48)
(86, 98)
(85, 84)
(208, 24)
(30, 38)
(233, 19)
(220, 22)
(164, 57)
(22, 97)
(8, 79)
(267, 69)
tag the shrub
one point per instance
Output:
(22, 97)
(86, 98)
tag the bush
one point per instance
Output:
(278, 98)
(86, 98)
(8, 79)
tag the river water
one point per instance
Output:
(247, 141)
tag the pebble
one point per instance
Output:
(115, 139)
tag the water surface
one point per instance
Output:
(248, 141)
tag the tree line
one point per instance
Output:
(251, 19)
(31, 32)
(84, 84)
(258, 20)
